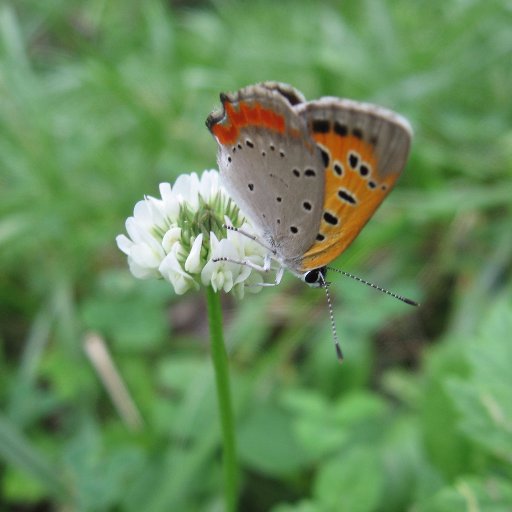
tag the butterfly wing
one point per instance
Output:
(270, 165)
(364, 148)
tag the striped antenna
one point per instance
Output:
(379, 288)
(337, 346)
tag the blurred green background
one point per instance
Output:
(102, 100)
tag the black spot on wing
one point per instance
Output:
(340, 129)
(353, 160)
(357, 132)
(346, 196)
(320, 126)
(330, 218)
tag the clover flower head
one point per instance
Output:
(178, 236)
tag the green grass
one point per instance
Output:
(99, 102)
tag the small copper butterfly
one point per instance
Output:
(307, 174)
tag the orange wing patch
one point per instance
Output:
(244, 114)
(353, 191)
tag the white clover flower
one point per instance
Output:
(178, 236)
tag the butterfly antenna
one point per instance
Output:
(337, 346)
(383, 290)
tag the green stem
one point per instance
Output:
(221, 368)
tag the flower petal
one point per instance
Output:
(193, 261)
(124, 243)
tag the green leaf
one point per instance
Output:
(20, 486)
(353, 481)
(132, 316)
(16, 449)
(303, 506)
(449, 452)
(99, 474)
(403, 462)
(314, 424)
(324, 427)
(267, 442)
(187, 384)
(484, 398)
(471, 494)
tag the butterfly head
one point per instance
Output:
(316, 277)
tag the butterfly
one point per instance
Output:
(307, 174)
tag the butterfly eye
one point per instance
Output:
(315, 277)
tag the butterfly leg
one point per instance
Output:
(251, 237)
(266, 267)
(279, 276)
(246, 263)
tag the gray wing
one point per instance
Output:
(270, 165)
